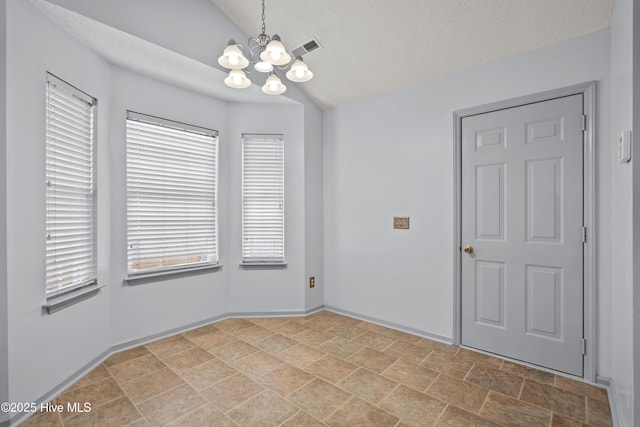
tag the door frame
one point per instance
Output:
(588, 90)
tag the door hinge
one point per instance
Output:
(584, 346)
(584, 234)
(584, 122)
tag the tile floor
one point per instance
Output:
(323, 369)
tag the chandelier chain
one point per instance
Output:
(263, 25)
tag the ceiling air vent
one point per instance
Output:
(307, 47)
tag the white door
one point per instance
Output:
(522, 218)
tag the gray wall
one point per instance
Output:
(4, 362)
(393, 155)
(44, 350)
(314, 203)
(194, 28)
(268, 289)
(622, 222)
(151, 308)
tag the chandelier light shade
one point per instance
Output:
(299, 71)
(232, 57)
(264, 53)
(275, 52)
(273, 85)
(237, 79)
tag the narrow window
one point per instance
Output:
(71, 188)
(172, 171)
(262, 199)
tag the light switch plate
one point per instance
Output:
(401, 222)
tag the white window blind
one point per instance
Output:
(172, 171)
(70, 194)
(262, 199)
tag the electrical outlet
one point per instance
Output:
(312, 282)
(401, 222)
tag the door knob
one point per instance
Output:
(468, 249)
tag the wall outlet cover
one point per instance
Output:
(401, 222)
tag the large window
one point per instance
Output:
(70, 193)
(262, 199)
(172, 173)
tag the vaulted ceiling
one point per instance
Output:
(375, 46)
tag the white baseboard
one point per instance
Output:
(424, 334)
(610, 385)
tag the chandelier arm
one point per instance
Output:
(260, 41)
(256, 45)
(247, 69)
(252, 44)
(287, 65)
(254, 53)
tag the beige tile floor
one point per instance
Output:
(323, 369)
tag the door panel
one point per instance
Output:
(490, 293)
(544, 200)
(544, 301)
(489, 202)
(522, 211)
(490, 137)
(551, 130)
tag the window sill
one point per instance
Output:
(59, 302)
(136, 279)
(263, 265)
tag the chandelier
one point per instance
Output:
(265, 53)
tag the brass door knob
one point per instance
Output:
(468, 249)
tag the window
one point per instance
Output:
(262, 199)
(71, 188)
(172, 173)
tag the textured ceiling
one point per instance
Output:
(375, 46)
